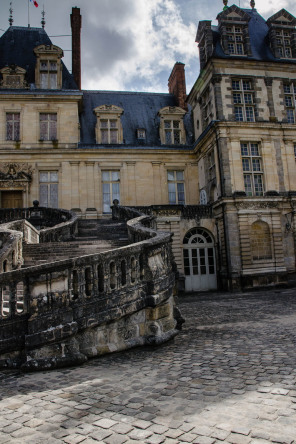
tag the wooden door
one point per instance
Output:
(11, 199)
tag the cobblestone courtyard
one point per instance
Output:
(228, 377)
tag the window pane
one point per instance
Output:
(256, 164)
(167, 124)
(43, 80)
(115, 175)
(180, 175)
(181, 194)
(104, 123)
(172, 193)
(237, 98)
(106, 175)
(248, 184)
(53, 176)
(244, 149)
(113, 123)
(104, 136)
(258, 184)
(53, 84)
(290, 116)
(254, 149)
(53, 195)
(115, 191)
(43, 195)
(238, 114)
(168, 137)
(249, 114)
(171, 175)
(44, 176)
(235, 85)
(113, 136)
(246, 164)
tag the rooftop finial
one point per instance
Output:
(10, 20)
(225, 4)
(43, 18)
(252, 4)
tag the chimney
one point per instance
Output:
(76, 45)
(177, 84)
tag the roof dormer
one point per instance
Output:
(233, 27)
(13, 77)
(48, 70)
(282, 34)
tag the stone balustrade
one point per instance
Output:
(65, 312)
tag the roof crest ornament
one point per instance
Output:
(252, 4)
(43, 17)
(225, 4)
(10, 20)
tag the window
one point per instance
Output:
(48, 69)
(48, 189)
(211, 164)
(176, 187)
(111, 190)
(108, 128)
(235, 40)
(12, 126)
(141, 134)
(109, 131)
(171, 129)
(290, 101)
(48, 126)
(243, 100)
(13, 77)
(283, 43)
(252, 169)
(172, 132)
(48, 74)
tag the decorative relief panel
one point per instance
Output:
(15, 175)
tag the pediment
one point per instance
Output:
(232, 13)
(105, 109)
(169, 110)
(282, 17)
(48, 49)
(13, 70)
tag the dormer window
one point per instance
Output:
(235, 39)
(109, 128)
(282, 35)
(171, 128)
(13, 77)
(141, 134)
(234, 30)
(48, 71)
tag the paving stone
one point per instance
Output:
(105, 423)
(115, 439)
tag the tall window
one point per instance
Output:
(172, 130)
(211, 164)
(48, 74)
(176, 187)
(109, 130)
(111, 189)
(283, 43)
(290, 101)
(243, 99)
(260, 241)
(48, 126)
(12, 126)
(48, 189)
(252, 169)
(235, 39)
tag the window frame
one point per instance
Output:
(108, 113)
(243, 98)
(253, 177)
(49, 185)
(172, 114)
(16, 127)
(176, 187)
(290, 96)
(50, 127)
(110, 182)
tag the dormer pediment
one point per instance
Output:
(108, 109)
(233, 13)
(171, 110)
(282, 17)
(49, 50)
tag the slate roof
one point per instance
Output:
(258, 32)
(16, 47)
(140, 111)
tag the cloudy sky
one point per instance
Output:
(130, 45)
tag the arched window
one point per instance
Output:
(260, 241)
(203, 197)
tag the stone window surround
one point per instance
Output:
(292, 95)
(108, 112)
(13, 110)
(253, 172)
(171, 113)
(54, 138)
(243, 104)
(48, 53)
(176, 181)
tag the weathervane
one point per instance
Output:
(43, 18)
(252, 4)
(225, 4)
(10, 17)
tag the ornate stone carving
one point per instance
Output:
(15, 175)
(256, 205)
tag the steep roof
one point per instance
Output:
(259, 41)
(140, 111)
(17, 47)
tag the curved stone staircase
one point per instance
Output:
(94, 236)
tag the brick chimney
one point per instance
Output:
(76, 45)
(177, 84)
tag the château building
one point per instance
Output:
(217, 167)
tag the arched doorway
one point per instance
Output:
(199, 260)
